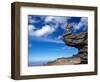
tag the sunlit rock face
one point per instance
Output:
(80, 42)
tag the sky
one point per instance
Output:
(44, 36)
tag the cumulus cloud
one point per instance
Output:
(41, 33)
(49, 29)
(30, 20)
(45, 30)
(83, 22)
(49, 18)
(33, 20)
(31, 27)
(57, 20)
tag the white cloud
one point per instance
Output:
(49, 18)
(45, 30)
(31, 27)
(77, 26)
(41, 33)
(84, 19)
(63, 22)
(83, 22)
(31, 20)
(57, 20)
(49, 29)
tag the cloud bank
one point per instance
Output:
(83, 22)
(51, 24)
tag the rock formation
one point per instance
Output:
(78, 41)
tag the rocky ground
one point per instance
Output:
(65, 61)
(78, 41)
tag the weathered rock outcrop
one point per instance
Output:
(80, 42)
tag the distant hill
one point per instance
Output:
(65, 61)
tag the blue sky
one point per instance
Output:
(44, 36)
